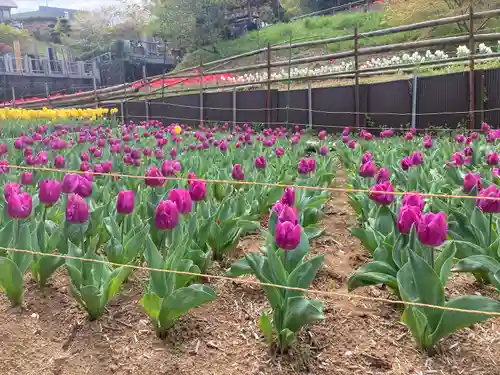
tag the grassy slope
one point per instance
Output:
(311, 29)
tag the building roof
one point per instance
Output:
(43, 13)
(8, 4)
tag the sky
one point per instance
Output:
(28, 5)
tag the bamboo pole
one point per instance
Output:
(356, 75)
(268, 96)
(472, 86)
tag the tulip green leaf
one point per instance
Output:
(444, 262)
(374, 273)
(467, 249)
(303, 275)
(295, 256)
(452, 321)
(240, 268)
(11, 281)
(155, 260)
(366, 236)
(266, 327)
(301, 312)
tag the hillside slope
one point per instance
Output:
(314, 28)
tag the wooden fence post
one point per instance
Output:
(234, 106)
(268, 97)
(309, 105)
(472, 89)
(201, 91)
(147, 87)
(356, 75)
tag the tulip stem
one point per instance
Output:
(491, 225)
(82, 239)
(123, 228)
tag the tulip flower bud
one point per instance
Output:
(378, 193)
(489, 205)
(260, 162)
(59, 161)
(10, 189)
(288, 197)
(50, 192)
(408, 215)
(383, 174)
(367, 156)
(77, 210)
(85, 156)
(416, 158)
(472, 180)
(288, 213)
(322, 135)
(323, 150)
(154, 178)
(84, 188)
(125, 202)
(460, 138)
(428, 142)
(368, 169)
(432, 229)
(237, 172)
(70, 183)
(170, 168)
(280, 151)
(27, 178)
(287, 235)
(414, 199)
(19, 205)
(492, 158)
(406, 163)
(197, 190)
(166, 215)
(4, 166)
(458, 158)
(351, 144)
(182, 199)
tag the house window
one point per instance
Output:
(66, 15)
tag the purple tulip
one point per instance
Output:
(154, 178)
(351, 144)
(288, 213)
(460, 138)
(77, 210)
(485, 128)
(18, 144)
(166, 215)
(383, 174)
(42, 158)
(84, 187)
(492, 158)
(50, 192)
(59, 161)
(416, 158)
(489, 205)
(4, 166)
(197, 190)
(280, 151)
(237, 172)
(125, 202)
(346, 131)
(170, 168)
(414, 199)
(27, 178)
(260, 162)
(368, 169)
(472, 180)
(367, 156)
(287, 235)
(19, 206)
(288, 197)
(495, 173)
(70, 183)
(408, 215)
(85, 156)
(427, 142)
(10, 189)
(458, 159)
(432, 229)
(406, 163)
(468, 151)
(380, 193)
(323, 150)
(107, 166)
(182, 199)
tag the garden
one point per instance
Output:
(163, 248)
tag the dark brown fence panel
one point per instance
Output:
(251, 106)
(386, 98)
(218, 107)
(333, 99)
(182, 109)
(491, 97)
(297, 104)
(437, 94)
(135, 111)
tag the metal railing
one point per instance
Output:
(26, 65)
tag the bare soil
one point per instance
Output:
(51, 335)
